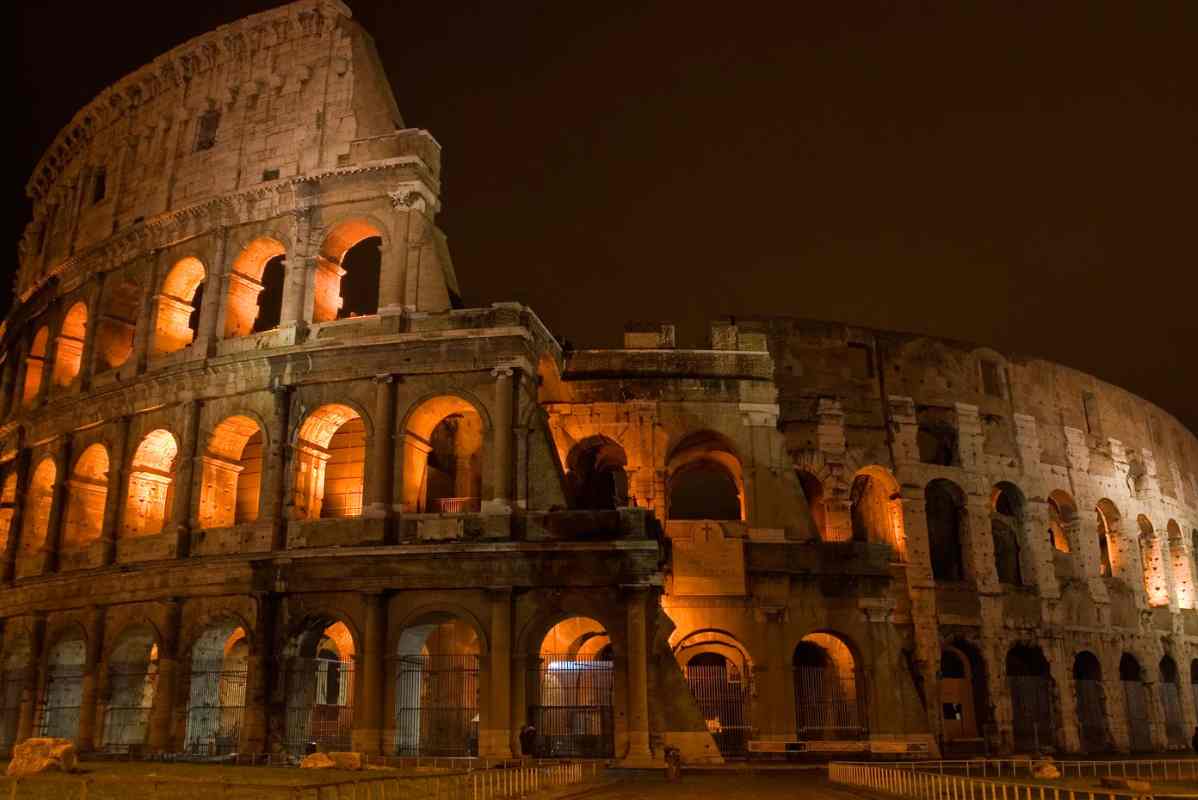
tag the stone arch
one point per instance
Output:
(319, 684)
(705, 479)
(339, 240)
(1091, 703)
(813, 493)
(1108, 529)
(151, 484)
(717, 641)
(330, 463)
(1152, 562)
(828, 686)
(35, 365)
(68, 351)
(87, 495)
(1007, 526)
(62, 689)
(962, 695)
(1170, 695)
(595, 474)
(217, 661)
(179, 304)
(255, 278)
(230, 489)
(719, 673)
(944, 503)
(876, 509)
(116, 323)
(1180, 563)
(39, 505)
(132, 666)
(1137, 703)
(444, 440)
(1062, 521)
(574, 690)
(1029, 680)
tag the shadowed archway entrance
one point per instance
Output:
(575, 687)
(437, 688)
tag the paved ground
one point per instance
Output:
(805, 785)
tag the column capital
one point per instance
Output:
(503, 372)
(384, 378)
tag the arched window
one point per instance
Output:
(1062, 521)
(216, 700)
(132, 680)
(232, 477)
(704, 479)
(318, 682)
(1135, 695)
(875, 506)
(1031, 697)
(1091, 703)
(1170, 693)
(828, 699)
(37, 512)
(348, 272)
(35, 365)
(437, 694)
(86, 498)
(330, 464)
(1006, 526)
(1108, 524)
(179, 306)
(1156, 582)
(151, 484)
(68, 356)
(813, 492)
(573, 703)
(595, 474)
(255, 289)
(443, 449)
(116, 324)
(944, 503)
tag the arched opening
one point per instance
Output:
(813, 493)
(330, 464)
(249, 307)
(68, 356)
(1029, 680)
(179, 306)
(216, 696)
(875, 505)
(829, 697)
(437, 688)
(35, 365)
(319, 686)
(1062, 521)
(720, 677)
(38, 508)
(116, 325)
(1135, 694)
(87, 495)
(232, 474)
(944, 503)
(62, 695)
(963, 697)
(348, 272)
(151, 484)
(443, 457)
(8, 507)
(1156, 583)
(595, 474)
(575, 688)
(16, 666)
(1108, 524)
(1091, 703)
(1183, 576)
(1170, 691)
(132, 679)
(705, 479)
(1006, 529)
(936, 440)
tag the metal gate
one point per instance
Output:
(1031, 711)
(573, 716)
(827, 705)
(1175, 730)
(320, 705)
(725, 698)
(12, 683)
(61, 699)
(215, 708)
(127, 714)
(436, 710)
(1091, 716)
(1138, 729)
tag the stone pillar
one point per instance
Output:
(86, 741)
(259, 670)
(277, 504)
(12, 545)
(204, 344)
(118, 488)
(495, 741)
(187, 479)
(33, 669)
(774, 724)
(87, 358)
(143, 334)
(381, 450)
(501, 479)
(58, 505)
(368, 715)
(638, 679)
(159, 738)
(299, 272)
(7, 382)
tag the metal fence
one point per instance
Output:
(320, 705)
(827, 704)
(725, 700)
(573, 716)
(215, 708)
(437, 709)
(58, 715)
(127, 713)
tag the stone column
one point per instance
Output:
(32, 670)
(638, 679)
(381, 449)
(187, 479)
(87, 357)
(86, 741)
(368, 715)
(58, 505)
(501, 479)
(299, 272)
(259, 670)
(495, 741)
(114, 502)
(277, 504)
(774, 724)
(143, 334)
(159, 738)
(204, 344)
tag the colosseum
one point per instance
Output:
(267, 486)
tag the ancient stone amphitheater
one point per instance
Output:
(267, 487)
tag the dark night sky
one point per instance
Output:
(1021, 175)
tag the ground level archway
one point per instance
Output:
(572, 713)
(829, 703)
(437, 688)
(132, 681)
(719, 674)
(1091, 703)
(1029, 681)
(216, 697)
(318, 680)
(62, 695)
(1136, 700)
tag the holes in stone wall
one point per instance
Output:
(35, 365)
(179, 306)
(231, 482)
(249, 306)
(330, 464)
(151, 484)
(68, 356)
(86, 498)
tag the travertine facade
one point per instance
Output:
(267, 487)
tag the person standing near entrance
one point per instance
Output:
(528, 739)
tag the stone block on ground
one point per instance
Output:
(1046, 770)
(38, 755)
(1127, 784)
(317, 761)
(347, 760)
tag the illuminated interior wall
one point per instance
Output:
(813, 492)
(1183, 574)
(176, 302)
(86, 498)
(1153, 561)
(151, 484)
(245, 286)
(1109, 552)
(876, 510)
(231, 478)
(116, 325)
(575, 637)
(35, 365)
(1062, 521)
(330, 462)
(68, 356)
(8, 500)
(329, 271)
(705, 479)
(38, 506)
(443, 449)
